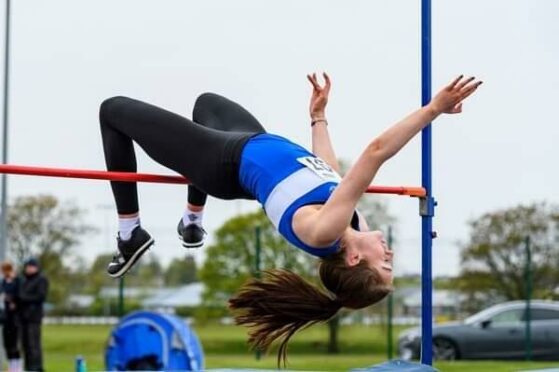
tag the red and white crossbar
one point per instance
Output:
(158, 178)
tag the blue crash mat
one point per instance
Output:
(397, 365)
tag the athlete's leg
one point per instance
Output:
(209, 158)
(206, 156)
(217, 112)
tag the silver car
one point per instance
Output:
(497, 332)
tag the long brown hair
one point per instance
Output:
(282, 302)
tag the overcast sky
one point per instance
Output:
(67, 56)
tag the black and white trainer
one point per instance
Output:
(129, 251)
(191, 235)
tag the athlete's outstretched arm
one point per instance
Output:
(323, 226)
(321, 144)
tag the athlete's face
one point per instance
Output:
(371, 246)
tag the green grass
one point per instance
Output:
(225, 347)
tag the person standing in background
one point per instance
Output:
(33, 291)
(9, 288)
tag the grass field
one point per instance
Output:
(225, 347)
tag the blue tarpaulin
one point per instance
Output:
(147, 340)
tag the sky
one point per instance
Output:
(68, 56)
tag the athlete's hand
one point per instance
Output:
(449, 99)
(319, 97)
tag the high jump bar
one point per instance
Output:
(158, 178)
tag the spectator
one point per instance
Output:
(10, 331)
(32, 294)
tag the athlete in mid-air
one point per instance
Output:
(226, 153)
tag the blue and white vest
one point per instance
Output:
(283, 177)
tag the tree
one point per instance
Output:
(493, 260)
(97, 275)
(42, 227)
(147, 272)
(375, 211)
(181, 271)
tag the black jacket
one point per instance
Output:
(10, 291)
(32, 294)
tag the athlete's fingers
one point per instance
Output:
(315, 78)
(309, 78)
(317, 81)
(326, 78)
(464, 83)
(455, 81)
(327, 82)
(469, 90)
(313, 82)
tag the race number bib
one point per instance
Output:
(320, 168)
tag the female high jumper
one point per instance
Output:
(226, 153)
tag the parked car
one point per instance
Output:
(498, 332)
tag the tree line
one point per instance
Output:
(492, 259)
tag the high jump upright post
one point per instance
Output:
(427, 206)
(4, 179)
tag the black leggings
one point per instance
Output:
(10, 332)
(207, 150)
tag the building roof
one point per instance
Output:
(441, 297)
(128, 292)
(186, 296)
(78, 300)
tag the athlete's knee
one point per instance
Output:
(110, 107)
(206, 99)
(207, 102)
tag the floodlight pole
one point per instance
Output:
(121, 297)
(4, 201)
(427, 209)
(390, 310)
(257, 267)
(528, 281)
